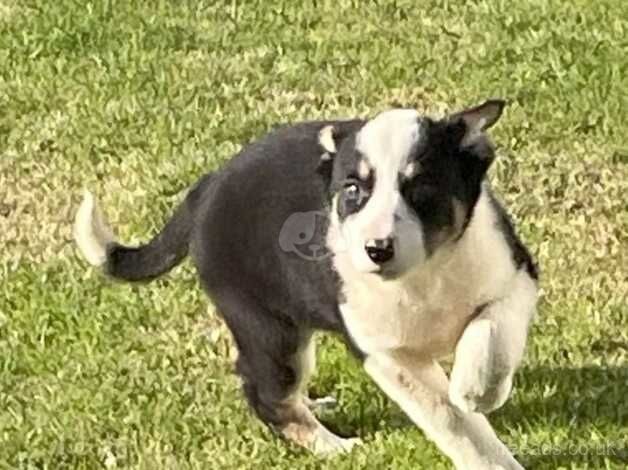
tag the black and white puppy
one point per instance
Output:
(383, 230)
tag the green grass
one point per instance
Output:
(136, 99)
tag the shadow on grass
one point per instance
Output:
(576, 401)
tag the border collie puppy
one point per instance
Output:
(382, 230)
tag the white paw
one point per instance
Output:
(495, 466)
(349, 443)
(510, 465)
(328, 444)
(502, 462)
(473, 394)
(321, 404)
(478, 382)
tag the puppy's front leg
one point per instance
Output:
(490, 350)
(420, 389)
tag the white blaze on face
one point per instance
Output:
(386, 142)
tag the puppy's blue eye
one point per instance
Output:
(353, 196)
(352, 191)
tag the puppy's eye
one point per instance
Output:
(353, 196)
(352, 191)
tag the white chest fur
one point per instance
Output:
(427, 309)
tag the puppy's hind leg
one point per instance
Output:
(274, 362)
(306, 359)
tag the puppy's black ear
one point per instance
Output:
(473, 122)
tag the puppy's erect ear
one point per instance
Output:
(478, 119)
(482, 117)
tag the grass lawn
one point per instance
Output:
(136, 99)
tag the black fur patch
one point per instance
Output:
(448, 174)
(520, 254)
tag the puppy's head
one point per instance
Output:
(404, 185)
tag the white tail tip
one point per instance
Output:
(91, 231)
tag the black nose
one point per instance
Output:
(380, 250)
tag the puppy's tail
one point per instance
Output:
(96, 242)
